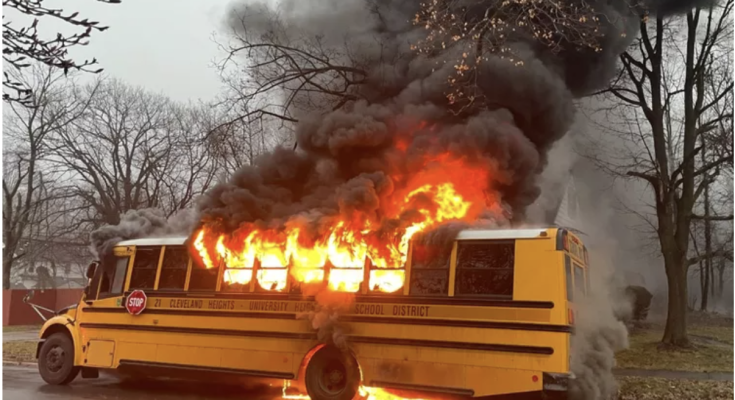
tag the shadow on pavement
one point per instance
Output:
(111, 387)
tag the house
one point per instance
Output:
(51, 263)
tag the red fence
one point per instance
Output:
(15, 312)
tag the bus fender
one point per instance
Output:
(299, 373)
(60, 323)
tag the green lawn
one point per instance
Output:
(645, 353)
(19, 351)
(634, 388)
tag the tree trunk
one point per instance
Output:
(7, 264)
(707, 240)
(702, 286)
(675, 331)
(720, 278)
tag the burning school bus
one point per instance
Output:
(489, 315)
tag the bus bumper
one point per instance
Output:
(556, 385)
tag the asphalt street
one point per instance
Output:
(22, 383)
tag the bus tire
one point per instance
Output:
(332, 375)
(56, 360)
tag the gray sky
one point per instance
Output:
(164, 45)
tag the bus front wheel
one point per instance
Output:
(332, 375)
(56, 360)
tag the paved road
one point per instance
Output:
(22, 383)
(20, 336)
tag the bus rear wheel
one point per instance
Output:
(56, 360)
(332, 375)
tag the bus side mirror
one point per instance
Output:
(29, 296)
(91, 269)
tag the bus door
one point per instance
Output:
(109, 277)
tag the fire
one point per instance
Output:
(364, 393)
(373, 393)
(337, 253)
(387, 280)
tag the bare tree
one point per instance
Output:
(667, 112)
(190, 167)
(132, 150)
(272, 76)
(30, 196)
(485, 30)
(23, 46)
(235, 141)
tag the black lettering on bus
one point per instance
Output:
(369, 309)
(268, 305)
(179, 303)
(303, 306)
(411, 311)
(222, 304)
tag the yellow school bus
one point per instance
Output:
(490, 314)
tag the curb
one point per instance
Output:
(14, 363)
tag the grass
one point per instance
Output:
(19, 328)
(645, 353)
(634, 388)
(19, 351)
(722, 334)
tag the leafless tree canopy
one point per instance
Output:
(553, 25)
(35, 203)
(286, 74)
(673, 124)
(22, 46)
(80, 156)
(132, 150)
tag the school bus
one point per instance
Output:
(491, 314)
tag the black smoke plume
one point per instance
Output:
(351, 149)
(353, 161)
(136, 224)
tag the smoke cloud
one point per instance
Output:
(136, 224)
(348, 161)
(599, 331)
(358, 163)
(325, 317)
(598, 335)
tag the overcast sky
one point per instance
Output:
(163, 45)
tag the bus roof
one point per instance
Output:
(470, 234)
(155, 241)
(482, 234)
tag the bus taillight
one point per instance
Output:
(571, 316)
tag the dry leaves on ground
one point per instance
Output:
(635, 388)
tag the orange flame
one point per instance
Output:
(364, 393)
(448, 191)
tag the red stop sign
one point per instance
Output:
(135, 304)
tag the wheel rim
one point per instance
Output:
(334, 378)
(55, 359)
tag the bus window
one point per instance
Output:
(485, 268)
(429, 269)
(145, 265)
(173, 268)
(114, 270)
(203, 279)
(568, 269)
(236, 279)
(579, 279)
